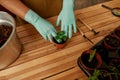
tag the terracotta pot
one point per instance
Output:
(59, 45)
(108, 46)
(95, 63)
(11, 49)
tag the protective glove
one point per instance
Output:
(67, 18)
(44, 27)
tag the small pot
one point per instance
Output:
(103, 52)
(102, 77)
(59, 45)
(101, 74)
(94, 64)
(11, 49)
(115, 62)
(111, 47)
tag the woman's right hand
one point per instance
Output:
(44, 27)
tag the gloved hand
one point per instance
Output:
(67, 18)
(44, 27)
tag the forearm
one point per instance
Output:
(69, 4)
(15, 6)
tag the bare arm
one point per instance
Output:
(15, 6)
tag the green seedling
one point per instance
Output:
(61, 37)
(114, 71)
(92, 54)
(95, 75)
(99, 73)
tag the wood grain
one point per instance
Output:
(40, 60)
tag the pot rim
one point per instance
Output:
(12, 33)
(109, 47)
(98, 57)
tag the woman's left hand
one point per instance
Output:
(67, 18)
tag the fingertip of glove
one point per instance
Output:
(45, 37)
(75, 31)
(57, 24)
(70, 36)
(54, 34)
(51, 41)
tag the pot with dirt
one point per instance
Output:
(60, 40)
(10, 45)
(102, 74)
(90, 60)
(111, 42)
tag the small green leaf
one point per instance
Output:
(59, 40)
(60, 37)
(92, 54)
(64, 38)
(56, 37)
(95, 75)
(61, 32)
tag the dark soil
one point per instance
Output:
(104, 78)
(112, 41)
(91, 64)
(103, 53)
(5, 32)
(115, 62)
(119, 52)
(117, 32)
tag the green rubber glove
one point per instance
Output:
(67, 18)
(44, 27)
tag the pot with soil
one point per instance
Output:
(111, 42)
(103, 52)
(115, 62)
(90, 60)
(60, 40)
(100, 74)
(114, 72)
(108, 73)
(10, 45)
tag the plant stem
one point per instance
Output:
(92, 54)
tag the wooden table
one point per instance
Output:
(40, 60)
